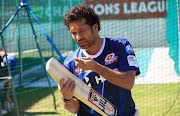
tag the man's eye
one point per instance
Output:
(73, 33)
(82, 31)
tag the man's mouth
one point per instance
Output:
(81, 42)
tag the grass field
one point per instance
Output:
(156, 99)
(151, 100)
(33, 59)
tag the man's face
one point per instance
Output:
(82, 33)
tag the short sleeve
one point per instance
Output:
(127, 58)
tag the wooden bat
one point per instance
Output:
(83, 92)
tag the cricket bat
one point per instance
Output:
(82, 91)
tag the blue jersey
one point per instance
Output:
(116, 54)
(11, 61)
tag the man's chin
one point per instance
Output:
(83, 47)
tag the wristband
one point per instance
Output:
(67, 101)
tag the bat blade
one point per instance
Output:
(83, 92)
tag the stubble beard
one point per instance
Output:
(89, 43)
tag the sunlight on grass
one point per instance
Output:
(156, 99)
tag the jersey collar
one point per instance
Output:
(97, 54)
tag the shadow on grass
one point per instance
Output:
(38, 113)
(34, 101)
(31, 113)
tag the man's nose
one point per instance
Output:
(78, 36)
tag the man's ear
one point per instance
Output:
(95, 27)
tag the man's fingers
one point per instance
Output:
(61, 83)
(80, 65)
(72, 86)
(66, 85)
(85, 63)
(84, 58)
(69, 85)
(79, 60)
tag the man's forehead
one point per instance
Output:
(77, 24)
(82, 20)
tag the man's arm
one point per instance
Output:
(121, 79)
(67, 91)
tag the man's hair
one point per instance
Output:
(80, 12)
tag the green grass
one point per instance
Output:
(32, 59)
(156, 99)
(38, 102)
(151, 100)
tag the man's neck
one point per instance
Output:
(95, 48)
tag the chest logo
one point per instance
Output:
(110, 58)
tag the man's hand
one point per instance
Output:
(85, 63)
(67, 88)
(67, 91)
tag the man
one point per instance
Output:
(107, 65)
(8, 105)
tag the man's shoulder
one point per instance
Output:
(116, 41)
(71, 56)
(119, 40)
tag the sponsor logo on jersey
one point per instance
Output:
(99, 79)
(110, 58)
(86, 79)
(129, 49)
(77, 70)
(132, 60)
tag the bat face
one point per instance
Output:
(82, 91)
